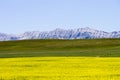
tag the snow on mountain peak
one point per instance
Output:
(80, 33)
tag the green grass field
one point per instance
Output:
(90, 59)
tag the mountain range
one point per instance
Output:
(80, 33)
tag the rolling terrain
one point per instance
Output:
(52, 59)
(54, 47)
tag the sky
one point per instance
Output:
(18, 16)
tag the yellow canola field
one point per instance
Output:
(60, 68)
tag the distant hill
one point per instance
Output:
(58, 47)
(80, 33)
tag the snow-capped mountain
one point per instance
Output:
(80, 33)
(6, 37)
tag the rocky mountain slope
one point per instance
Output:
(80, 33)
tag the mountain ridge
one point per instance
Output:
(58, 33)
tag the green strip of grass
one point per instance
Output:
(54, 47)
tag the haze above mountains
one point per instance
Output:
(80, 33)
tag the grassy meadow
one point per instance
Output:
(90, 59)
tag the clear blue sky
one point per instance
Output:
(17, 16)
